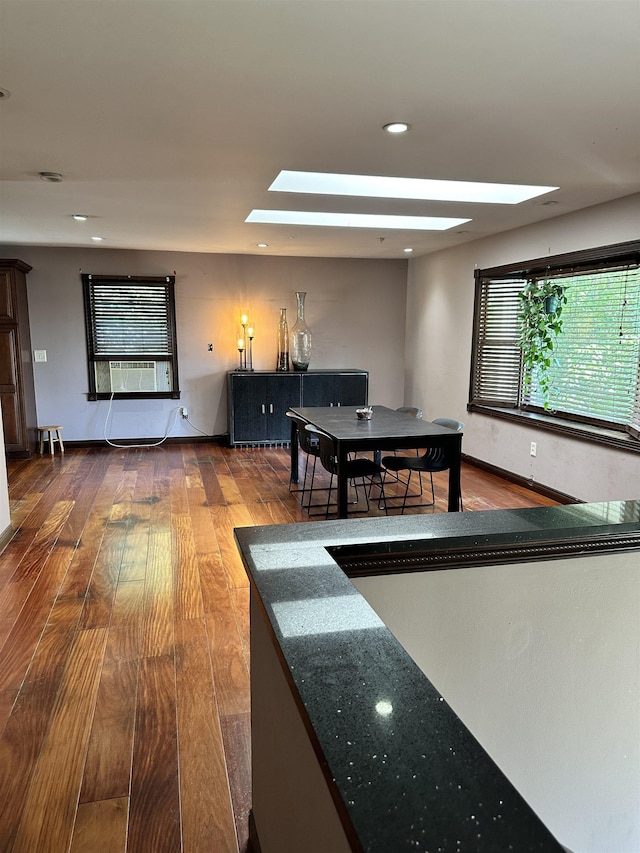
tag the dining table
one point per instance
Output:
(387, 429)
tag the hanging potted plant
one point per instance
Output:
(540, 322)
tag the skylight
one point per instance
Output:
(354, 220)
(376, 186)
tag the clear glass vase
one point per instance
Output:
(300, 337)
(283, 342)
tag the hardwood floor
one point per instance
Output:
(124, 653)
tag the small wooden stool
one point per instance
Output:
(53, 431)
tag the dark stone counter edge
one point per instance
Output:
(443, 775)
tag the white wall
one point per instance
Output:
(355, 308)
(291, 803)
(541, 663)
(439, 329)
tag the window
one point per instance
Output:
(595, 365)
(131, 336)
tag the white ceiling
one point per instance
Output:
(169, 119)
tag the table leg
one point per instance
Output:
(454, 476)
(343, 483)
(294, 452)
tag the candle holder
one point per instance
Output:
(250, 335)
(247, 334)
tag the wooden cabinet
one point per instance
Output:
(17, 391)
(258, 401)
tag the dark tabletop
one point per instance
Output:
(342, 423)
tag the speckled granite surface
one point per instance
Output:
(409, 773)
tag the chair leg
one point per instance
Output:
(306, 491)
(406, 492)
(311, 489)
(365, 492)
(406, 497)
(303, 490)
(383, 499)
(379, 481)
(329, 496)
(293, 487)
(296, 487)
(323, 508)
(364, 483)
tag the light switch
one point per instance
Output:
(39, 355)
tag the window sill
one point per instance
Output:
(135, 395)
(581, 432)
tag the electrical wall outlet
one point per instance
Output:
(184, 412)
(39, 355)
(534, 449)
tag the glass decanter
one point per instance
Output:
(300, 337)
(283, 342)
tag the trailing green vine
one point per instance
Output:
(540, 322)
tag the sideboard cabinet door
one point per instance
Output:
(318, 389)
(258, 403)
(351, 389)
(282, 392)
(247, 409)
(348, 388)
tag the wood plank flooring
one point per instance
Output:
(124, 648)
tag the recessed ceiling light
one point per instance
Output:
(5, 93)
(51, 177)
(397, 127)
(262, 245)
(408, 249)
(80, 217)
(425, 189)
(97, 239)
(354, 220)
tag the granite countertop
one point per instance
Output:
(410, 775)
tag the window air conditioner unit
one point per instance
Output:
(132, 376)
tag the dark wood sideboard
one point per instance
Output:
(258, 400)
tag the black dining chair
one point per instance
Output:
(412, 412)
(310, 446)
(434, 459)
(358, 468)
